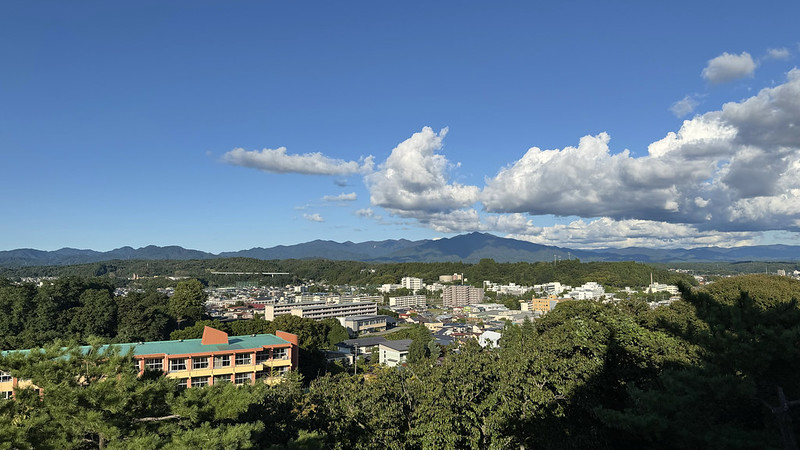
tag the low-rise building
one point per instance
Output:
(364, 324)
(214, 358)
(320, 310)
(394, 353)
(407, 301)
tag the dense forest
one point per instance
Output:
(717, 369)
(570, 272)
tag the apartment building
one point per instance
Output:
(412, 283)
(456, 296)
(214, 358)
(321, 310)
(407, 301)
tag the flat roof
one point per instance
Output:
(186, 346)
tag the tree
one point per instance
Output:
(188, 301)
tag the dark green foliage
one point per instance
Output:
(704, 372)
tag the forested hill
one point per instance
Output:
(572, 272)
(468, 248)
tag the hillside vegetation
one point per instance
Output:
(717, 369)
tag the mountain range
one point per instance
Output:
(469, 248)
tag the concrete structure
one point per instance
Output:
(455, 296)
(407, 301)
(545, 305)
(320, 310)
(412, 283)
(394, 353)
(213, 359)
(588, 291)
(364, 324)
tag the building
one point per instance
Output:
(407, 301)
(394, 353)
(215, 358)
(489, 339)
(412, 283)
(320, 310)
(455, 296)
(364, 324)
(361, 346)
(589, 291)
(545, 305)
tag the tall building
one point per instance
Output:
(454, 296)
(411, 283)
(215, 358)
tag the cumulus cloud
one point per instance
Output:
(351, 197)
(728, 67)
(684, 106)
(313, 217)
(414, 178)
(367, 213)
(278, 161)
(610, 233)
(737, 169)
(777, 53)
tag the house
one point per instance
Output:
(393, 353)
(360, 346)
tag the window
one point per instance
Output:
(154, 364)
(199, 382)
(242, 378)
(222, 361)
(222, 379)
(183, 382)
(262, 356)
(177, 365)
(5, 377)
(5, 395)
(280, 353)
(244, 359)
(200, 363)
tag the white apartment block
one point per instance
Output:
(407, 301)
(588, 291)
(320, 310)
(411, 283)
(454, 296)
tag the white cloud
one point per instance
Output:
(777, 53)
(341, 197)
(368, 213)
(278, 161)
(684, 106)
(737, 169)
(729, 67)
(414, 178)
(606, 232)
(313, 217)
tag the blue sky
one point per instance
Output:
(229, 125)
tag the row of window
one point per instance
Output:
(238, 378)
(202, 362)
